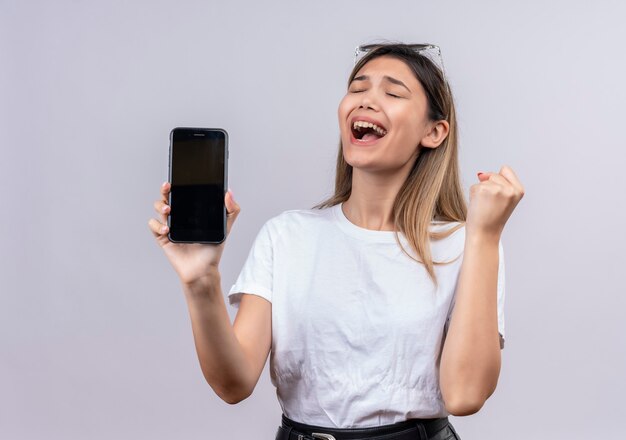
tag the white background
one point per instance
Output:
(95, 338)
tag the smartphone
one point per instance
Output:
(198, 173)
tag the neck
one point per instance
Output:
(372, 197)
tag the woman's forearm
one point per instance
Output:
(221, 356)
(470, 360)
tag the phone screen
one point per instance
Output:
(198, 176)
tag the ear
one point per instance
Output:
(436, 135)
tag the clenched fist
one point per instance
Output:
(492, 201)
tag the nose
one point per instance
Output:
(367, 101)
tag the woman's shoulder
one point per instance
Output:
(298, 218)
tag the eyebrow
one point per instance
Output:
(388, 78)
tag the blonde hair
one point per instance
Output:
(432, 190)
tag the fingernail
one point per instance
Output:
(164, 209)
(480, 173)
(231, 193)
(163, 229)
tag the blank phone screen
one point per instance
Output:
(198, 176)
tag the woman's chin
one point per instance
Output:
(358, 158)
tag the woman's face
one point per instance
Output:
(385, 92)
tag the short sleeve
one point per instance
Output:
(501, 289)
(256, 276)
(500, 295)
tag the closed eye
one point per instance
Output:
(390, 94)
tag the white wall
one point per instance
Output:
(95, 338)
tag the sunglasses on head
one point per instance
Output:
(430, 51)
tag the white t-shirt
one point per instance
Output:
(357, 326)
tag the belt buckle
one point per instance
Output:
(323, 436)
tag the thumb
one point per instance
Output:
(484, 175)
(232, 208)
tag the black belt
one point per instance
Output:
(411, 429)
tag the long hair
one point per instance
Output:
(432, 190)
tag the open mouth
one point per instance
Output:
(367, 131)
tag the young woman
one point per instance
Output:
(382, 308)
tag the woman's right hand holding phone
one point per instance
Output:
(224, 360)
(193, 262)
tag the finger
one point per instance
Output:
(162, 209)
(500, 180)
(497, 182)
(165, 191)
(232, 209)
(510, 175)
(494, 178)
(482, 176)
(157, 228)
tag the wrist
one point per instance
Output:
(482, 238)
(204, 287)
